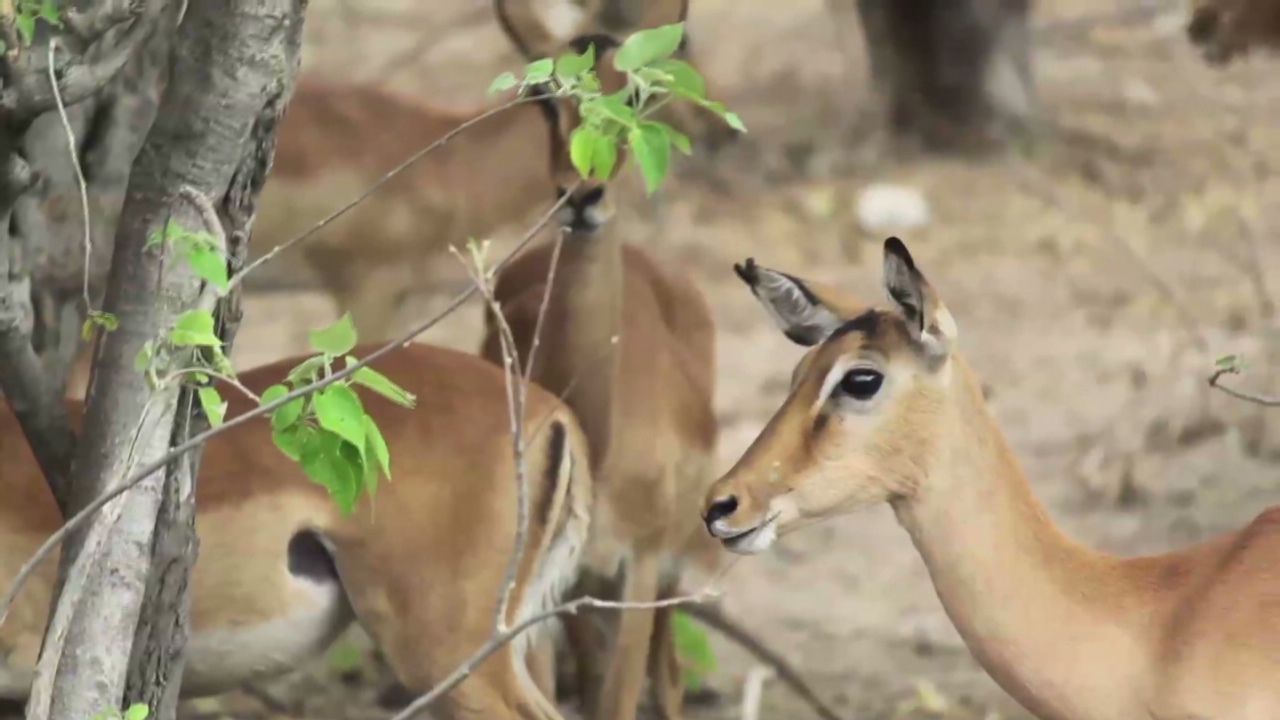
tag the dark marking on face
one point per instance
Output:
(868, 323)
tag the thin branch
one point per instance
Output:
(228, 379)
(375, 186)
(495, 643)
(1263, 400)
(261, 411)
(713, 616)
(75, 163)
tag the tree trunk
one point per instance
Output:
(214, 134)
(951, 73)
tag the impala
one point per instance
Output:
(884, 409)
(336, 141)
(281, 572)
(629, 344)
(1225, 29)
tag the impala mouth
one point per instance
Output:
(751, 541)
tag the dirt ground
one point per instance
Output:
(1095, 271)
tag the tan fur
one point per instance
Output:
(1225, 29)
(645, 404)
(337, 141)
(421, 564)
(1071, 633)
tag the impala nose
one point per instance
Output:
(719, 510)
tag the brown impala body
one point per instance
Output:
(281, 571)
(337, 141)
(1225, 29)
(883, 408)
(629, 344)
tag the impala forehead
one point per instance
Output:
(875, 336)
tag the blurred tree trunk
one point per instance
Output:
(951, 73)
(202, 165)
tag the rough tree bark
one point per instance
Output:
(233, 70)
(96, 44)
(951, 73)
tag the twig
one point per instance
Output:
(233, 382)
(753, 691)
(75, 163)
(1263, 400)
(202, 438)
(714, 617)
(495, 643)
(440, 142)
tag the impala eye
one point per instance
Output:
(861, 383)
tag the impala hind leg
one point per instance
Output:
(628, 654)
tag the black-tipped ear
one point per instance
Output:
(795, 309)
(930, 321)
(903, 281)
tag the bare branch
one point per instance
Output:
(179, 450)
(444, 139)
(499, 640)
(75, 164)
(713, 616)
(1263, 400)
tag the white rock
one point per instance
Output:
(883, 207)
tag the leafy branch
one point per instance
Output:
(1234, 365)
(653, 79)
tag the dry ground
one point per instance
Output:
(1095, 272)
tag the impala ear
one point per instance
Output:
(806, 312)
(928, 319)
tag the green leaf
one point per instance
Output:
(652, 149)
(286, 414)
(612, 107)
(605, 156)
(694, 649)
(337, 339)
(339, 411)
(582, 145)
(306, 371)
(1228, 362)
(503, 82)
(138, 711)
(142, 361)
(539, 70)
(680, 140)
(26, 25)
(345, 657)
(323, 461)
(648, 46)
(49, 12)
(571, 65)
(215, 408)
(194, 328)
(685, 80)
(292, 439)
(377, 445)
(735, 122)
(98, 319)
(209, 264)
(383, 385)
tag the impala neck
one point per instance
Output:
(1047, 618)
(583, 344)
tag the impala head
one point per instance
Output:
(857, 425)
(1224, 29)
